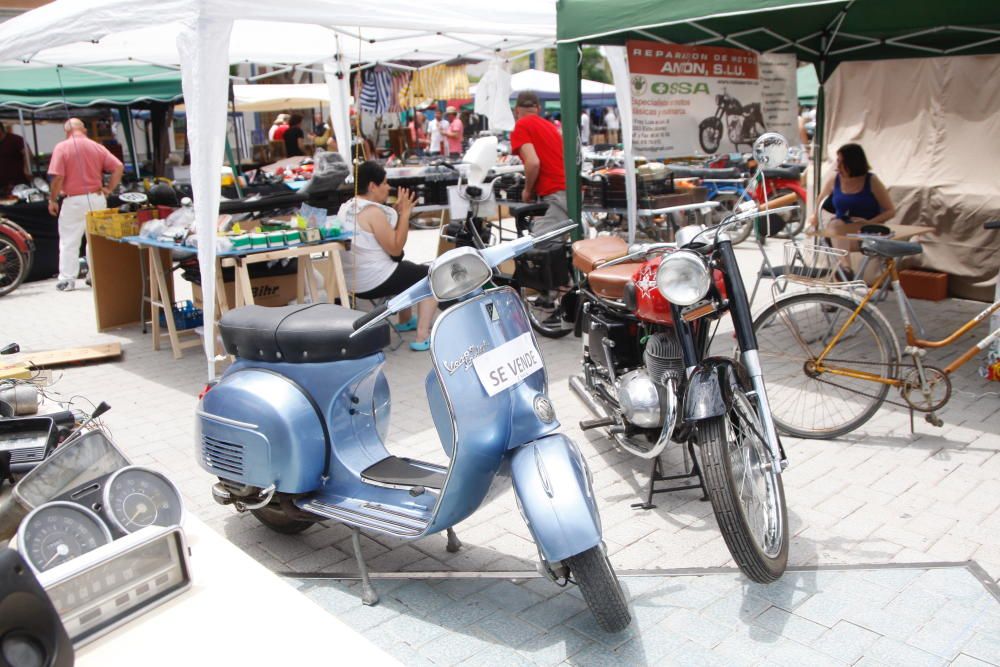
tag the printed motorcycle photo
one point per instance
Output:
(648, 318)
(743, 124)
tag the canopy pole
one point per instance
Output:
(234, 166)
(24, 135)
(130, 139)
(34, 135)
(569, 98)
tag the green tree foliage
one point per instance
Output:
(593, 66)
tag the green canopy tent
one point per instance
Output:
(822, 32)
(807, 85)
(37, 89)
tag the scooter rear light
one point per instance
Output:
(207, 388)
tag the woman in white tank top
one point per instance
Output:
(374, 266)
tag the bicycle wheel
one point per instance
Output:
(747, 496)
(13, 266)
(792, 332)
(544, 312)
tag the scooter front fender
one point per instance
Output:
(554, 494)
(710, 389)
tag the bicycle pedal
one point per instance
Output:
(933, 419)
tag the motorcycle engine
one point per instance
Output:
(662, 357)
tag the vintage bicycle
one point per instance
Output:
(831, 358)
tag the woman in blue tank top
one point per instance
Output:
(858, 197)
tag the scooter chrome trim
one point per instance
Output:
(751, 361)
(227, 421)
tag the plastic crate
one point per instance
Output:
(186, 316)
(112, 224)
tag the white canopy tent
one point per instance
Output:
(204, 38)
(548, 82)
(280, 96)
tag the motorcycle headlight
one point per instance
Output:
(458, 272)
(683, 278)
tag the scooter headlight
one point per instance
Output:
(683, 278)
(458, 272)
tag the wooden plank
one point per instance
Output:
(67, 356)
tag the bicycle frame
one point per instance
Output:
(909, 318)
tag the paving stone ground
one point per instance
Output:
(880, 495)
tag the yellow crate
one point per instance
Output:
(109, 222)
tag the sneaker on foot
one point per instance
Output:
(66, 285)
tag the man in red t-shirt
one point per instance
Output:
(539, 145)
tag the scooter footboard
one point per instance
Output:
(554, 495)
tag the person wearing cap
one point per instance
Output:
(453, 131)
(539, 145)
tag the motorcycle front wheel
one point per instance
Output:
(600, 588)
(710, 135)
(746, 491)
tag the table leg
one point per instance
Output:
(154, 298)
(337, 269)
(245, 290)
(158, 276)
(306, 269)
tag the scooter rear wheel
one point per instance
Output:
(275, 519)
(601, 589)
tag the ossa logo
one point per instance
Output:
(639, 84)
(680, 88)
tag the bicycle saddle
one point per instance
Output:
(887, 248)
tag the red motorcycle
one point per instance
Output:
(17, 252)
(647, 321)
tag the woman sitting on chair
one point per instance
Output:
(858, 196)
(374, 266)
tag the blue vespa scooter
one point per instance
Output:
(295, 430)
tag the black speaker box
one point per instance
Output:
(31, 634)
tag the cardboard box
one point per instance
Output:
(929, 285)
(267, 291)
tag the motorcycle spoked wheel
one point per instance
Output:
(13, 266)
(710, 135)
(601, 589)
(747, 495)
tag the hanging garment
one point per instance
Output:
(440, 82)
(376, 91)
(493, 97)
(400, 80)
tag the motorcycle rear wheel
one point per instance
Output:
(747, 495)
(13, 266)
(794, 220)
(710, 136)
(600, 588)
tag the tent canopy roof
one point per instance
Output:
(547, 83)
(69, 32)
(861, 29)
(41, 88)
(280, 96)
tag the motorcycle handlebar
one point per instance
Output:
(365, 319)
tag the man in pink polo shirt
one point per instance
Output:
(77, 168)
(453, 130)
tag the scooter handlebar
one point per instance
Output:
(368, 317)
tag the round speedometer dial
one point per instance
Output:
(136, 497)
(59, 531)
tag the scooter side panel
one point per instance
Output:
(257, 428)
(481, 425)
(554, 494)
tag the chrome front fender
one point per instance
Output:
(554, 494)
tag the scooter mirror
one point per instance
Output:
(11, 348)
(770, 149)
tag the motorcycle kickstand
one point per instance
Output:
(369, 597)
(454, 544)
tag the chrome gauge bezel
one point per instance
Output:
(27, 525)
(109, 485)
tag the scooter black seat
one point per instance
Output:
(299, 334)
(785, 171)
(725, 173)
(887, 248)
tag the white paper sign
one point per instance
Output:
(508, 364)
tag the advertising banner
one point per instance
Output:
(703, 100)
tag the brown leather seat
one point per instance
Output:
(588, 254)
(609, 282)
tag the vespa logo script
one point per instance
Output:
(466, 359)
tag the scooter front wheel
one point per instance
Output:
(601, 589)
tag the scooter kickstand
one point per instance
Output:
(368, 595)
(454, 544)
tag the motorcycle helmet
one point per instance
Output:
(163, 194)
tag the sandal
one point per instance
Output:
(421, 345)
(411, 325)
